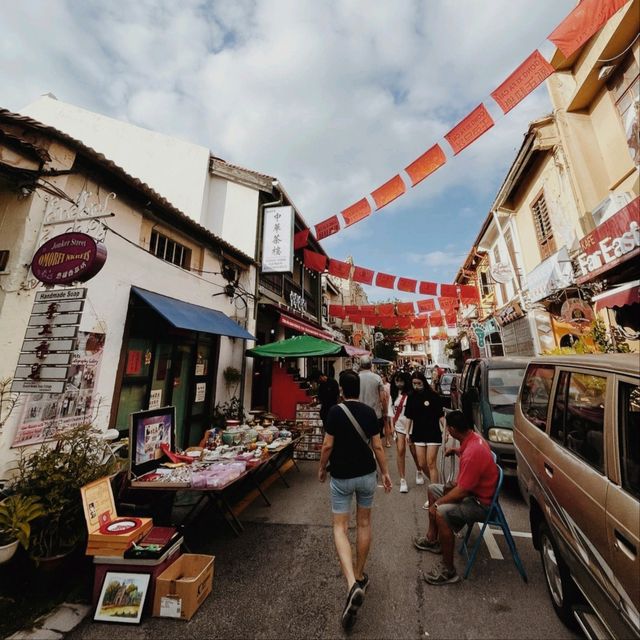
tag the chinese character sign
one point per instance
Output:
(277, 240)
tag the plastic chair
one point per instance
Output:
(495, 516)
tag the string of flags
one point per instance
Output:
(571, 34)
(467, 293)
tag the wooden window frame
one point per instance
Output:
(169, 245)
(543, 226)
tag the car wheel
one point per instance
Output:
(562, 589)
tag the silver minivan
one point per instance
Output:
(577, 443)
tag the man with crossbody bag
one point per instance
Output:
(350, 449)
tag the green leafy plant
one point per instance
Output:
(16, 514)
(53, 474)
(231, 410)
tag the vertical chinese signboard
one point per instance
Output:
(277, 240)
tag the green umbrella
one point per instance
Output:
(296, 347)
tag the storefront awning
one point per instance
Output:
(628, 293)
(355, 352)
(192, 317)
(296, 347)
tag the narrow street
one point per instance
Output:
(281, 579)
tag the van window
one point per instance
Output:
(584, 418)
(629, 436)
(536, 390)
(557, 431)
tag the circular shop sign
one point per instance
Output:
(67, 258)
(501, 272)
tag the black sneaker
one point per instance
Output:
(354, 602)
(364, 583)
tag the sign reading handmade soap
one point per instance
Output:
(52, 329)
(67, 258)
(277, 240)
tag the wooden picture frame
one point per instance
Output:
(122, 597)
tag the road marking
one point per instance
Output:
(492, 545)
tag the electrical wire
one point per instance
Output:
(620, 54)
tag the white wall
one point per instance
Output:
(176, 169)
(107, 302)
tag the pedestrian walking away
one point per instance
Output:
(400, 388)
(388, 427)
(462, 503)
(424, 409)
(328, 394)
(350, 450)
(372, 392)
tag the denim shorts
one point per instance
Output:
(457, 514)
(342, 490)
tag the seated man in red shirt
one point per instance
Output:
(467, 502)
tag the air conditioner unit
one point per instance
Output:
(609, 206)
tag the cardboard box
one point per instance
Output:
(183, 586)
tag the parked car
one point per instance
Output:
(577, 440)
(488, 391)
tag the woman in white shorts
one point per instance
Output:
(424, 410)
(400, 389)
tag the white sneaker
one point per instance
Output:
(419, 477)
(404, 488)
(425, 506)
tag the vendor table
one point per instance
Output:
(220, 496)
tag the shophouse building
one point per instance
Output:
(157, 325)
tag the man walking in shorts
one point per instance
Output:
(351, 432)
(465, 503)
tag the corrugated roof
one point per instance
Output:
(99, 159)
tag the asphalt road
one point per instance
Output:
(281, 578)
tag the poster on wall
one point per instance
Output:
(277, 240)
(46, 414)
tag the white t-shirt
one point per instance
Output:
(370, 388)
(403, 422)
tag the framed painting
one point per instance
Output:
(122, 597)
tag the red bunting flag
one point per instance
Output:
(388, 192)
(369, 309)
(315, 261)
(327, 227)
(450, 319)
(404, 323)
(436, 320)
(420, 323)
(301, 239)
(356, 212)
(449, 290)
(337, 310)
(372, 321)
(468, 291)
(534, 70)
(351, 309)
(428, 288)
(339, 269)
(582, 23)
(405, 308)
(469, 129)
(426, 305)
(426, 164)
(360, 274)
(386, 309)
(385, 280)
(448, 304)
(388, 322)
(406, 284)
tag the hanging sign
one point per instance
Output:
(277, 240)
(576, 310)
(501, 272)
(67, 258)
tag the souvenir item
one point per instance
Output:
(122, 597)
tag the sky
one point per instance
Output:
(332, 97)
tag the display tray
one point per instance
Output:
(139, 562)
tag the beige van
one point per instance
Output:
(577, 442)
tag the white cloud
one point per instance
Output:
(332, 98)
(437, 259)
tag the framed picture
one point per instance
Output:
(148, 431)
(122, 597)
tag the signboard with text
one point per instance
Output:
(277, 240)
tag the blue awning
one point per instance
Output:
(193, 317)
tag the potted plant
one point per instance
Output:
(54, 474)
(16, 514)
